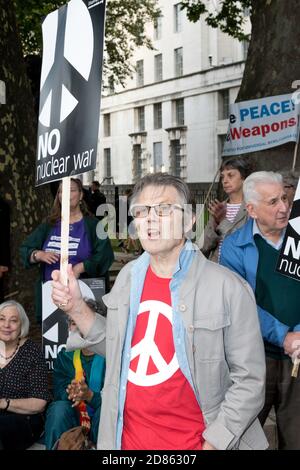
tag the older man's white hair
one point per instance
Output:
(250, 190)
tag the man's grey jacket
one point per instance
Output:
(222, 346)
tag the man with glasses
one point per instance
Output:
(185, 363)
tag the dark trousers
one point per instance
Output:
(17, 432)
(283, 392)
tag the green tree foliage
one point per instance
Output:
(28, 205)
(124, 30)
(229, 16)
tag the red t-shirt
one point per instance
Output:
(161, 410)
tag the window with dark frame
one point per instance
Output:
(139, 73)
(106, 125)
(157, 116)
(107, 163)
(178, 61)
(141, 118)
(137, 157)
(175, 157)
(157, 28)
(158, 68)
(179, 112)
(177, 18)
(224, 104)
(157, 156)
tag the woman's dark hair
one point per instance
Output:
(243, 164)
(55, 213)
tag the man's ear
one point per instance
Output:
(189, 224)
(251, 210)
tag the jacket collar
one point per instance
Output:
(141, 265)
(245, 234)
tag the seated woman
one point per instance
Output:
(78, 379)
(229, 215)
(90, 255)
(23, 381)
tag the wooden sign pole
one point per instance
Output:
(65, 220)
(295, 155)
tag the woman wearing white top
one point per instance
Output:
(229, 215)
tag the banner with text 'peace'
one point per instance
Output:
(261, 124)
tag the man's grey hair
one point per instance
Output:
(22, 315)
(161, 180)
(251, 194)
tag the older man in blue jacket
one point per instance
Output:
(252, 252)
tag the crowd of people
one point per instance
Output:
(190, 349)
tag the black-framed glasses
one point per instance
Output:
(161, 210)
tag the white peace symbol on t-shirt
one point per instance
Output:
(147, 348)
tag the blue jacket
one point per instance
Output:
(240, 254)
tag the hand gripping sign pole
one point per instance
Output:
(65, 220)
(295, 369)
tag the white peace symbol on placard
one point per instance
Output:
(147, 348)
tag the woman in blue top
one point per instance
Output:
(89, 255)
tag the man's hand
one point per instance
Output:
(3, 269)
(68, 298)
(79, 391)
(218, 210)
(291, 342)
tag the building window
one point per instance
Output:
(107, 163)
(111, 86)
(137, 161)
(106, 125)
(179, 112)
(245, 44)
(158, 28)
(221, 142)
(175, 157)
(140, 73)
(178, 61)
(224, 104)
(141, 118)
(177, 18)
(158, 68)
(157, 116)
(157, 156)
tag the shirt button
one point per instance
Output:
(191, 328)
(182, 308)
